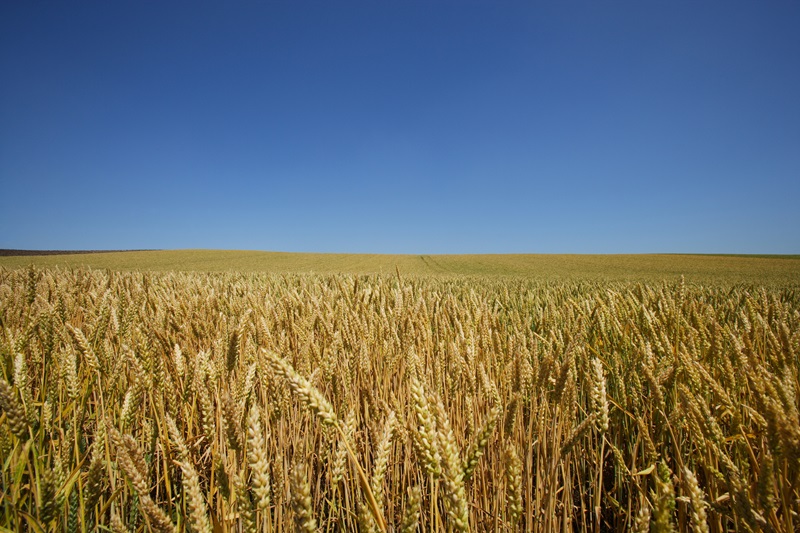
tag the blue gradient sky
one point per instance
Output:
(401, 126)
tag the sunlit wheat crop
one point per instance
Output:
(267, 402)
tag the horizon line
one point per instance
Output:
(15, 252)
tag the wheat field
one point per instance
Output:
(196, 401)
(709, 269)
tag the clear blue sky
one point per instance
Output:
(401, 126)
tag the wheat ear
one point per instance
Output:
(198, 514)
(257, 457)
(699, 520)
(301, 500)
